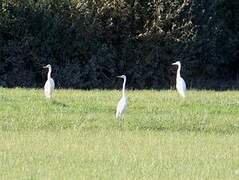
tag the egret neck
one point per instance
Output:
(178, 71)
(123, 91)
(49, 73)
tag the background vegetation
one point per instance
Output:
(88, 42)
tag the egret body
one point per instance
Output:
(122, 104)
(49, 85)
(180, 83)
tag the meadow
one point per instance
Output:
(75, 135)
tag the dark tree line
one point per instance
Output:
(89, 42)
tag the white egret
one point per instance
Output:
(180, 83)
(49, 85)
(122, 104)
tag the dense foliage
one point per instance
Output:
(89, 42)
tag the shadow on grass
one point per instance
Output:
(58, 103)
(229, 130)
(54, 127)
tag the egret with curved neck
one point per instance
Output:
(50, 84)
(122, 104)
(180, 83)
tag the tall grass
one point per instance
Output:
(76, 136)
(204, 111)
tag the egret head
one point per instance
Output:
(177, 63)
(47, 66)
(122, 76)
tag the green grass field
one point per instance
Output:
(76, 136)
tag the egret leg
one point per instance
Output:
(123, 121)
(118, 119)
(119, 125)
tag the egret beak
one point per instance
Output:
(44, 66)
(174, 64)
(118, 76)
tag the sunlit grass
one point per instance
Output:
(76, 136)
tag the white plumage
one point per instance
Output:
(180, 83)
(122, 104)
(50, 84)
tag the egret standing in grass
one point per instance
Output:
(49, 85)
(180, 83)
(122, 104)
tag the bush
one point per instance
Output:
(89, 42)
